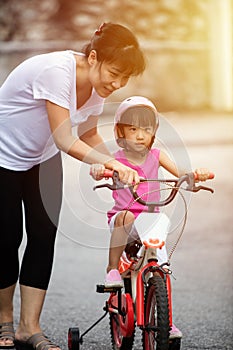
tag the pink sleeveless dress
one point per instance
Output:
(149, 169)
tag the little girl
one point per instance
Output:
(136, 123)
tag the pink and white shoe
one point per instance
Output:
(175, 332)
(113, 279)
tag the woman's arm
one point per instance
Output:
(88, 133)
(60, 124)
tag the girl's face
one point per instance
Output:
(137, 139)
(105, 77)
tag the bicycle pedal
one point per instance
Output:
(100, 288)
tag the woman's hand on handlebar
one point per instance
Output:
(126, 174)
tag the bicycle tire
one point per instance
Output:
(119, 342)
(122, 328)
(156, 314)
(73, 338)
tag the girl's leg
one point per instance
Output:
(123, 224)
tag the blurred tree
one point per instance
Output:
(164, 19)
(24, 19)
(75, 19)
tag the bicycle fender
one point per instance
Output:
(152, 229)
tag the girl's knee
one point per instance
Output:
(124, 218)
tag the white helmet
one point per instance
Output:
(130, 102)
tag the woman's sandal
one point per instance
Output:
(37, 341)
(7, 332)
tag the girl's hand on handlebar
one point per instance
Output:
(126, 174)
(202, 174)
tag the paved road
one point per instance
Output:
(202, 263)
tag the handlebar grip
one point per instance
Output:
(211, 176)
(108, 173)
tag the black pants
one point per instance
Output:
(40, 191)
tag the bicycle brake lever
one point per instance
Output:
(116, 185)
(112, 187)
(192, 187)
(198, 188)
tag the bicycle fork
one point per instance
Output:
(140, 286)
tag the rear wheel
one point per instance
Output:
(122, 328)
(156, 332)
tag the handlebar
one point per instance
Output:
(176, 183)
(211, 176)
(110, 173)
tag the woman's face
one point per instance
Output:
(105, 77)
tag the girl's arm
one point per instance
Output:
(169, 165)
(60, 124)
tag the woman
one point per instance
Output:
(40, 101)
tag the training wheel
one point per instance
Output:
(73, 338)
(174, 344)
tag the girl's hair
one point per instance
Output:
(139, 116)
(116, 43)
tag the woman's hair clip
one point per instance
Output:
(100, 29)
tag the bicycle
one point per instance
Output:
(145, 301)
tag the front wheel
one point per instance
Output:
(156, 331)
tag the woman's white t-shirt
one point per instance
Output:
(25, 134)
